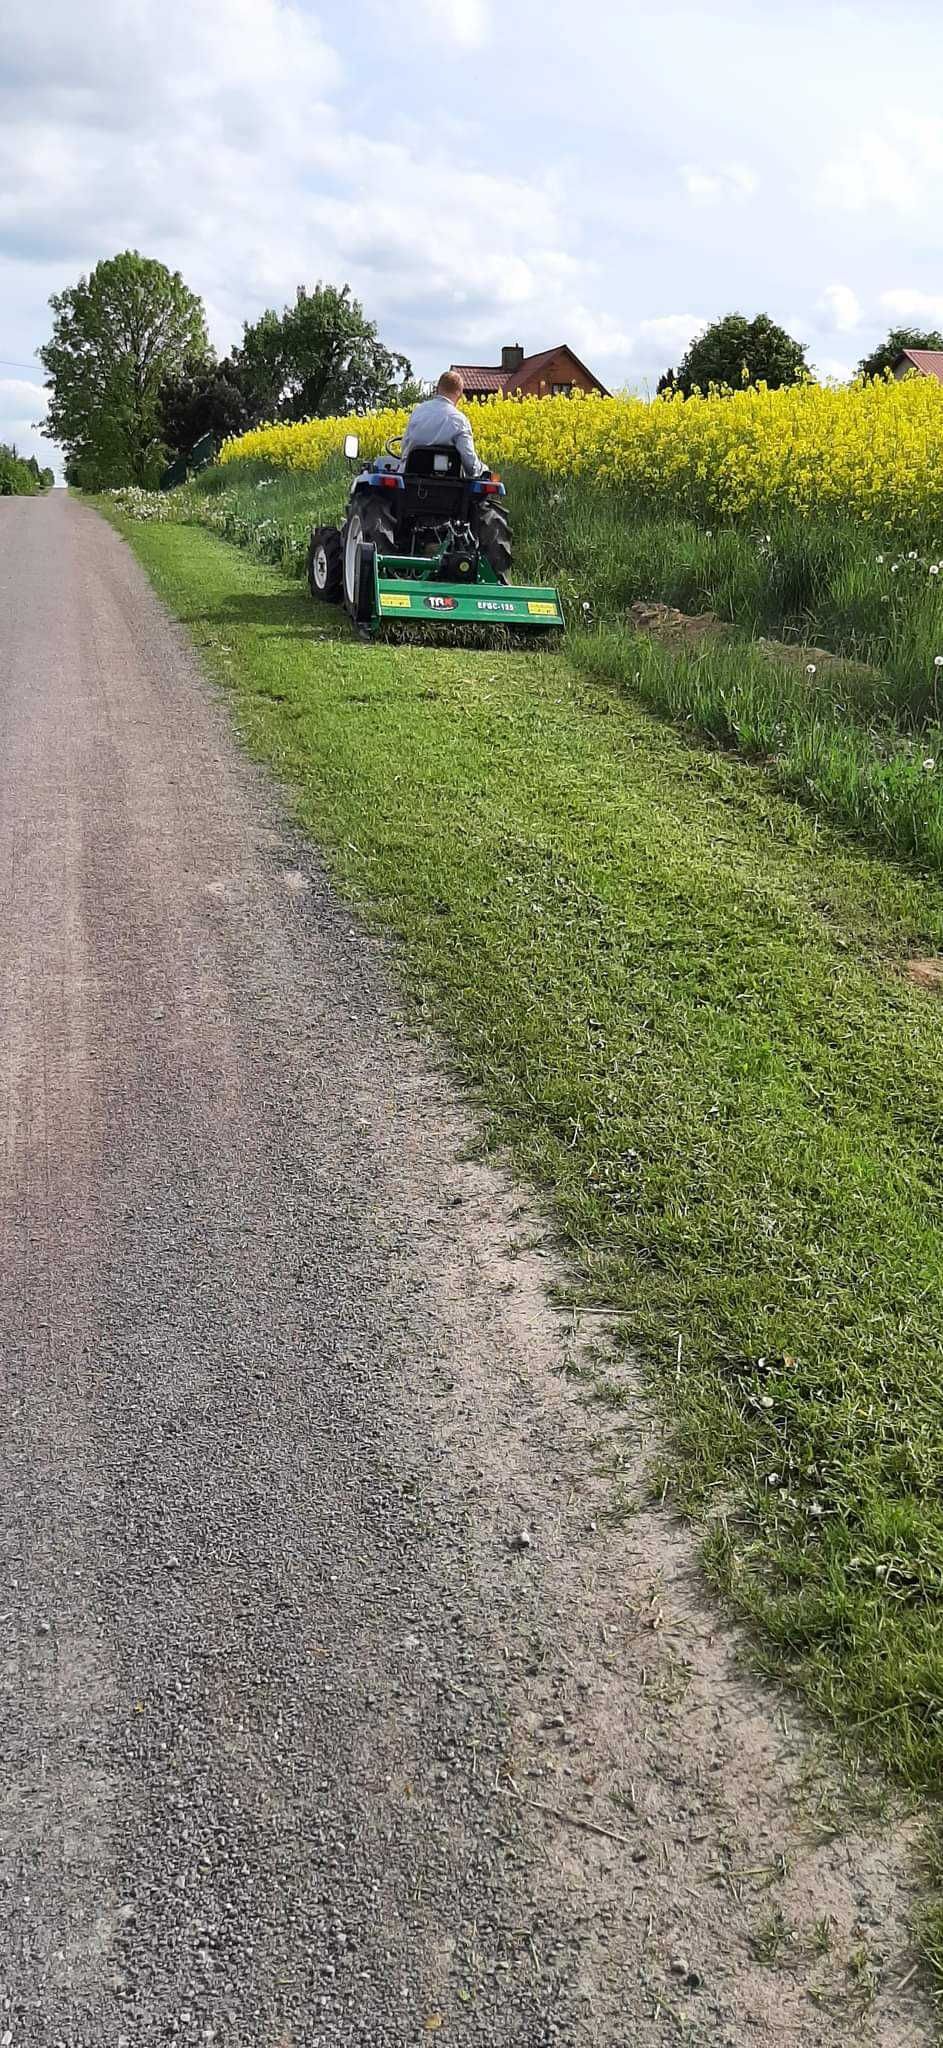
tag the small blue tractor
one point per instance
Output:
(421, 543)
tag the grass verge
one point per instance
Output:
(684, 1002)
(828, 580)
(862, 741)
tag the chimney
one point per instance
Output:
(512, 358)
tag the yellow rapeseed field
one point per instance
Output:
(875, 450)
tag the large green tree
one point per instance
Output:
(885, 356)
(319, 356)
(117, 335)
(735, 352)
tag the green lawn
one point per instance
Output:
(683, 999)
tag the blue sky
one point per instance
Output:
(528, 171)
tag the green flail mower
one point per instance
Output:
(423, 544)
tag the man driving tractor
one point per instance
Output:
(437, 423)
(425, 535)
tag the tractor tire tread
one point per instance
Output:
(328, 538)
(378, 526)
(494, 538)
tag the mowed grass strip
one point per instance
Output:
(684, 1002)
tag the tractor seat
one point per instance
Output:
(444, 463)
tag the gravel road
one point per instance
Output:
(288, 1722)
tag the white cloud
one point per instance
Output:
(23, 394)
(872, 173)
(834, 370)
(706, 188)
(465, 22)
(914, 308)
(700, 185)
(669, 334)
(839, 309)
(894, 168)
(22, 403)
(596, 337)
(214, 138)
(923, 135)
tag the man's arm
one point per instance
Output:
(465, 443)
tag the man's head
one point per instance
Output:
(450, 386)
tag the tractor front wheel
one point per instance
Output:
(494, 538)
(325, 564)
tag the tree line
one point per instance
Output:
(133, 381)
(20, 475)
(735, 352)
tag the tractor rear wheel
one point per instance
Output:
(377, 522)
(494, 538)
(325, 564)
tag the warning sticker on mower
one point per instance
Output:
(394, 601)
(542, 611)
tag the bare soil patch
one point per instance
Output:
(926, 973)
(677, 629)
(663, 622)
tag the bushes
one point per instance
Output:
(21, 477)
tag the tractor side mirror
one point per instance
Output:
(352, 446)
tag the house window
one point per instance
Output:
(562, 390)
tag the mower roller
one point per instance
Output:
(423, 544)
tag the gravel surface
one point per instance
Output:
(331, 1712)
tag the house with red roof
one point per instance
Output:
(552, 373)
(929, 362)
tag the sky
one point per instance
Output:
(613, 174)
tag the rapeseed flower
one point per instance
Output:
(875, 450)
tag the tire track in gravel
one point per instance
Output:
(287, 1725)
